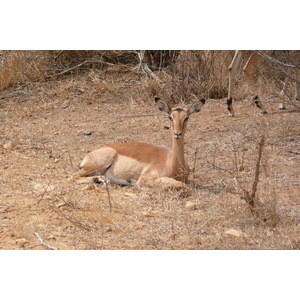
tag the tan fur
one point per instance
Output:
(143, 162)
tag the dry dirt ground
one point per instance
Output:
(42, 142)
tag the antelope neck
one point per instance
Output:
(178, 153)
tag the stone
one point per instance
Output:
(131, 195)
(192, 205)
(234, 232)
(8, 145)
(86, 132)
(168, 183)
(21, 242)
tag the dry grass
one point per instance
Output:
(42, 142)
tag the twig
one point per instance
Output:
(71, 162)
(5, 53)
(75, 221)
(81, 64)
(194, 167)
(268, 57)
(59, 54)
(250, 197)
(220, 168)
(42, 243)
(139, 116)
(280, 64)
(5, 56)
(108, 195)
(256, 177)
(44, 193)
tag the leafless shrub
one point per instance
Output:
(252, 174)
(181, 74)
(281, 72)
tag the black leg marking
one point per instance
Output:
(97, 181)
(229, 101)
(229, 107)
(258, 104)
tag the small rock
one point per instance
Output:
(131, 195)
(192, 205)
(66, 104)
(234, 232)
(21, 242)
(8, 145)
(86, 132)
(169, 183)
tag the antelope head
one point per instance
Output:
(179, 116)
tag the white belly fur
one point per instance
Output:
(127, 168)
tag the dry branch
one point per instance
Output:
(42, 243)
(108, 195)
(280, 65)
(81, 64)
(143, 66)
(250, 196)
(277, 62)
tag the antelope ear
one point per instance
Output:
(196, 107)
(163, 105)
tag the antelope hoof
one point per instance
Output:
(230, 115)
(97, 180)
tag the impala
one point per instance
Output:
(249, 69)
(142, 162)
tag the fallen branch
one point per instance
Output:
(80, 65)
(143, 66)
(42, 243)
(277, 62)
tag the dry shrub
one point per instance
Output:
(182, 74)
(22, 66)
(252, 172)
(18, 67)
(205, 74)
(281, 73)
(201, 73)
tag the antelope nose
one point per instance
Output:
(177, 135)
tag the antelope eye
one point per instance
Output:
(186, 119)
(170, 117)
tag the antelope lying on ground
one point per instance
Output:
(141, 162)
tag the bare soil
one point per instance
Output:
(42, 142)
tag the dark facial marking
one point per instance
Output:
(179, 110)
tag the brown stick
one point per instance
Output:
(108, 195)
(81, 64)
(250, 197)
